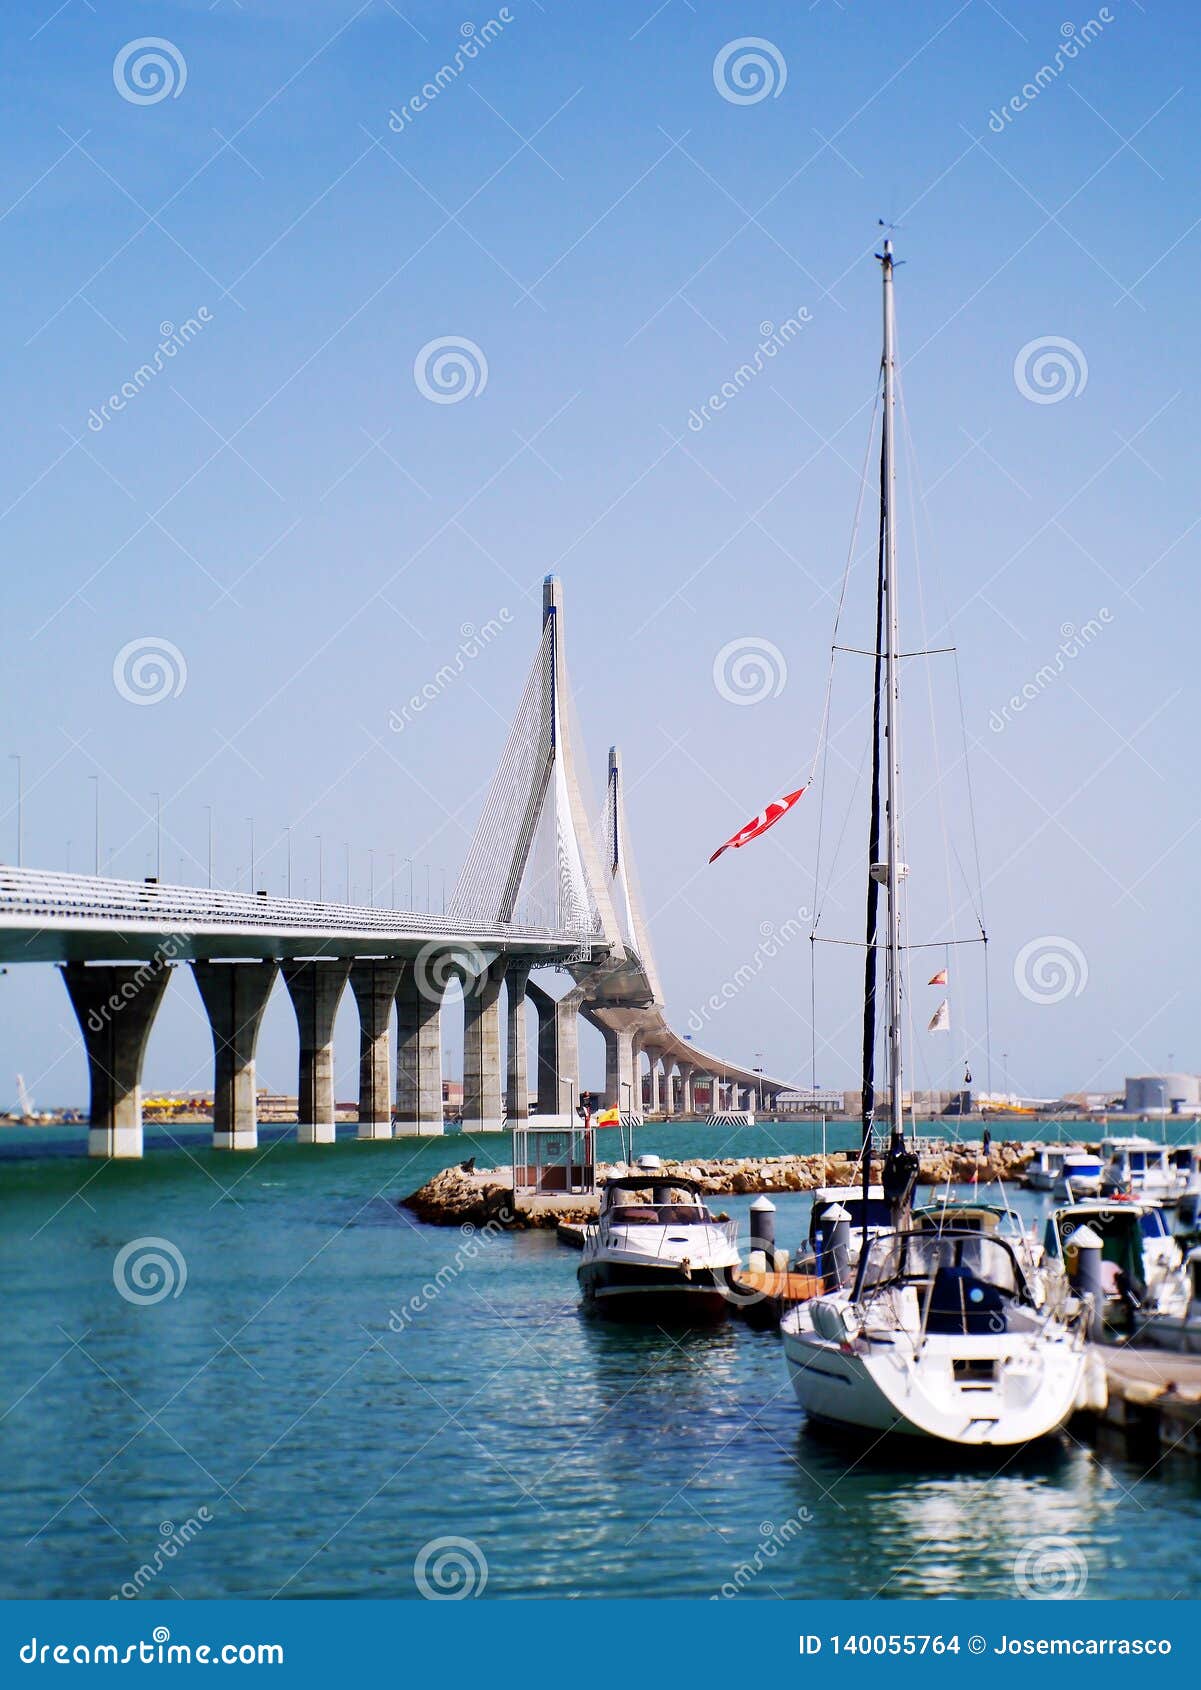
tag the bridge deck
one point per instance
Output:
(49, 917)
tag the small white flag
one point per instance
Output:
(940, 1021)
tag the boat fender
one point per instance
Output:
(1094, 1387)
(834, 1321)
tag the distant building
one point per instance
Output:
(810, 1101)
(275, 1106)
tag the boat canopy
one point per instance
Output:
(968, 1217)
(977, 1269)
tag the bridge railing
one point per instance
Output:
(51, 898)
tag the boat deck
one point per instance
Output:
(761, 1298)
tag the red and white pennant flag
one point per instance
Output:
(769, 817)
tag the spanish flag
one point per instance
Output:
(609, 1118)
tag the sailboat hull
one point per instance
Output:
(967, 1391)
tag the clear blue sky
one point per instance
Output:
(284, 505)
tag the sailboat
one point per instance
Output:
(941, 1333)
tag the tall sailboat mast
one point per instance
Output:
(892, 702)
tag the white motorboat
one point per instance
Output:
(1140, 1260)
(940, 1333)
(656, 1251)
(1080, 1176)
(940, 1337)
(1068, 1170)
(1138, 1167)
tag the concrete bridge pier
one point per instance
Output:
(619, 1067)
(315, 989)
(419, 1054)
(517, 1089)
(234, 995)
(483, 1097)
(374, 983)
(687, 1101)
(667, 1089)
(115, 1007)
(653, 1104)
(558, 1049)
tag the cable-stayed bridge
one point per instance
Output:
(542, 887)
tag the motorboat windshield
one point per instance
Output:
(659, 1214)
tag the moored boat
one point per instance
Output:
(941, 1338)
(1055, 1165)
(941, 1333)
(656, 1251)
(1138, 1167)
(1139, 1256)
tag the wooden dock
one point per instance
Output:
(1154, 1405)
(761, 1298)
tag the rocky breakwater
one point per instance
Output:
(479, 1197)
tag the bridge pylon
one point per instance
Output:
(533, 858)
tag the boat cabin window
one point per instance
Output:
(660, 1214)
(1153, 1224)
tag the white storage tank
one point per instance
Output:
(1146, 1092)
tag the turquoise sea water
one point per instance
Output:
(335, 1388)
